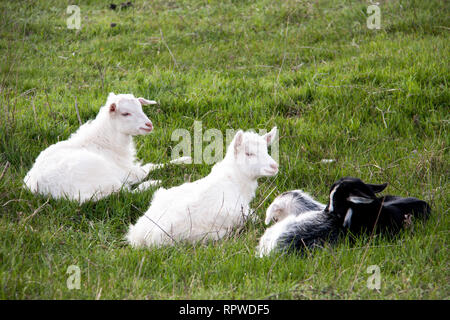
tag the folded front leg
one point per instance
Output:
(139, 173)
(153, 166)
(182, 160)
(147, 185)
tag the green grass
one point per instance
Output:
(377, 101)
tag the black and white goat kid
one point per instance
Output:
(353, 208)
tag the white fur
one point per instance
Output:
(358, 200)
(208, 208)
(331, 208)
(98, 159)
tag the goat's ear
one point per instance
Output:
(273, 209)
(270, 137)
(348, 218)
(145, 102)
(112, 107)
(360, 196)
(377, 188)
(269, 217)
(359, 200)
(269, 213)
(237, 141)
(363, 193)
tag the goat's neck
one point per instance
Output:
(102, 135)
(246, 184)
(115, 141)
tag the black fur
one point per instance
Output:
(386, 214)
(311, 233)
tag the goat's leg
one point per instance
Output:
(153, 166)
(139, 173)
(147, 185)
(182, 160)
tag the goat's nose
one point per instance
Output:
(274, 166)
(149, 124)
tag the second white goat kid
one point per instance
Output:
(99, 158)
(210, 207)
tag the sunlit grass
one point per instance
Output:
(376, 101)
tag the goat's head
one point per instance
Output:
(125, 111)
(280, 208)
(250, 153)
(349, 192)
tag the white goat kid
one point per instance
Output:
(99, 158)
(208, 208)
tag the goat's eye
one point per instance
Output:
(249, 154)
(126, 114)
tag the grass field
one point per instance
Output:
(376, 101)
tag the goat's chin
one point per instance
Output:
(268, 172)
(143, 132)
